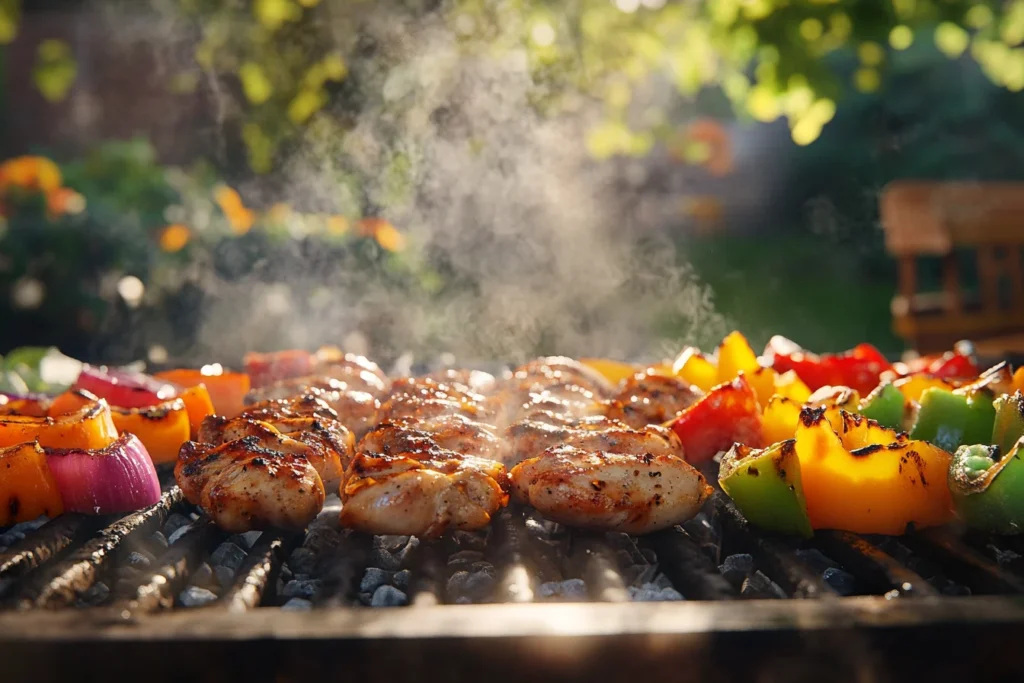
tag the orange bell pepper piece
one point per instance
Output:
(871, 480)
(780, 419)
(736, 356)
(227, 390)
(162, 429)
(89, 427)
(695, 368)
(198, 404)
(27, 487)
(762, 381)
(23, 406)
(612, 370)
(1018, 379)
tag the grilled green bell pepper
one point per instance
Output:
(884, 405)
(766, 487)
(949, 419)
(988, 488)
(1009, 425)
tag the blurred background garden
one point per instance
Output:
(190, 179)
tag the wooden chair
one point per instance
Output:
(940, 220)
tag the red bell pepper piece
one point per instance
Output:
(264, 368)
(860, 368)
(954, 365)
(727, 414)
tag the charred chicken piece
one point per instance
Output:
(559, 370)
(635, 493)
(531, 438)
(259, 481)
(356, 408)
(647, 398)
(469, 381)
(296, 406)
(407, 407)
(569, 400)
(330, 445)
(453, 432)
(420, 491)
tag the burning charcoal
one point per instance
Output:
(301, 589)
(96, 593)
(286, 574)
(843, 582)
(464, 558)
(302, 577)
(246, 540)
(174, 522)
(474, 585)
(469, 540)
(203, 575)
(385, 560)
(662, 581)
(364, 598)
(297, 605)
(485, 567)
(671, 594)
(401, 579)
(757, 585)
(139, 559)
(410, 546)
(228, 555)
(643, 594)
(157, 542)
(225, 577)
(736, 568)
(389, 596)
(176, 535)
(303, 561)
(570, 588)
(1004, 556)
(193, 596)
(647, 574)
(392, 543)
(11, 537)
(322, 539)
(817, 559)
(373, 579)
(896, 549)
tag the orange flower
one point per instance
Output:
(715, 138)
(30, 173)
(62, 201)
(174, 237)
(387, 235)
(230, 202)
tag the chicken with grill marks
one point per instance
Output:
(402, 482)
(329, 444)
(262, 480)
(423, 398)
(560, 371)
(356, 408)
(647, 398)
(630, 492)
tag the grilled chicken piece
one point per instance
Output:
(559, 370)
(421, 491)
(647, 398)
(259, 481)
(531, 438)
(283, 408)
(569, 400)
(330, 445)
(473, 381)
(406, 408)
(356, 370)
(452, 432)
(629, 492)
(357, 409)
(415, 388)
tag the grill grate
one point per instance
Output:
(86, 579)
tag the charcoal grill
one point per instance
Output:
(108, 599)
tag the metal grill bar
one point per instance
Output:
(61, 584)
(602, 577)
(780, 563)
(159, 589)
(48, 542)
(258, 573)
(870, 561)
(964, 562)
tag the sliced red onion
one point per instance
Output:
(124, 389)
(118, 478)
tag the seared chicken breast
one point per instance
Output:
(646, 398)
(593, 489)
(330, 445)
(559, 370)
(259, 481)
(357, 409)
